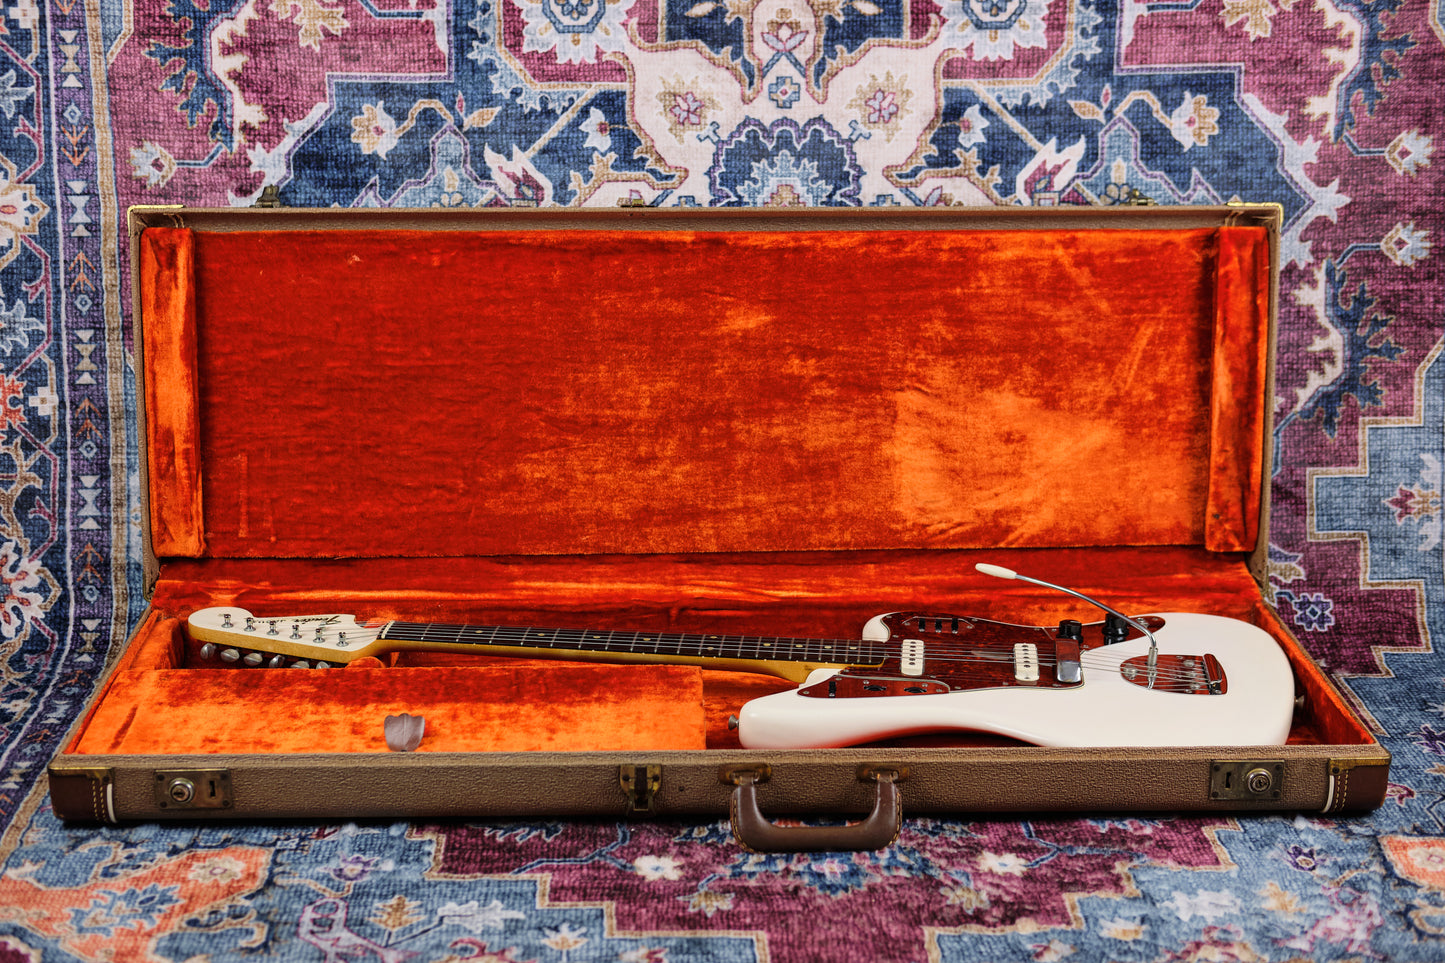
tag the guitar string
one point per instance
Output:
(741, 648)
(1163, 673)
(661, 643)
(524, 637)
(1097, 662)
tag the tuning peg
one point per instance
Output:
(208, 651)
(230, 655)
(277, 661)
(300, 664)
(323, 665)
(253, 659)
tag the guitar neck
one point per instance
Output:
(790, 658)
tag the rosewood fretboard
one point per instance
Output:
(752, 648)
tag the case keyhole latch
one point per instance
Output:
(193, 789)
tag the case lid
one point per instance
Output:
(323, 384)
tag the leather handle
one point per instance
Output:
(758, 833)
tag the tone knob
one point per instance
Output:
(1115, 629)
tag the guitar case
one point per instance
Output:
(742, 424)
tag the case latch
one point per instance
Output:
(193, 789)
(1246, 779)
(641, 784)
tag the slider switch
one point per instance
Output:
(1067, 668)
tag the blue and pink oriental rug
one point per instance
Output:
(1331, 108)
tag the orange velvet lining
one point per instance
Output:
(472, 393)
(168, 307)
(513, 707)
(1236, 457)
(163, 700)
(461, 426)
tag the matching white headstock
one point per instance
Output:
(231, 634)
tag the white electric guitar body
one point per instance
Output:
(1208, 681)
(1217, 682)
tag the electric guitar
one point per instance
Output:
(1176, 679)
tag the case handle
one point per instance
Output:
(756, 832)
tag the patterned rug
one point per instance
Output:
(1330, 108)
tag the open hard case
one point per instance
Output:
(741, 425)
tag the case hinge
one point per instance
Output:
(641, 784)
(1235, 781)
